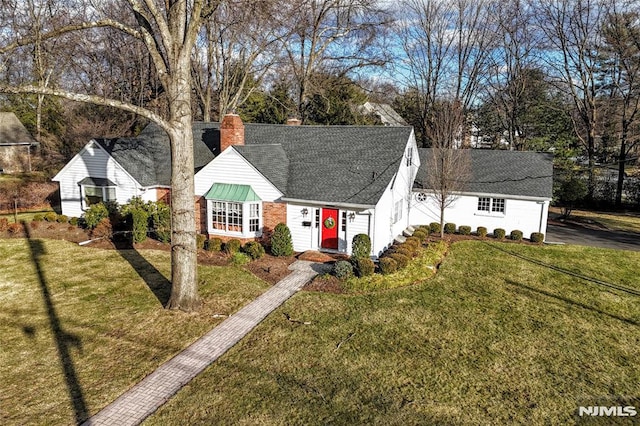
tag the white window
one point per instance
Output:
(97, 194)
(491, 205)
(397, 211)
(235, 218)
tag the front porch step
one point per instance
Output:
(400, 239)
(409, 231)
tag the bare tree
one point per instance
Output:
(168, 30)
(572, 32)
(332, 37)
(621, 64)
(448, 168)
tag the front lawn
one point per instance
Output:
(88, 323)
(502, 334)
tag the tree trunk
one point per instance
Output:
(622, 156)
(184, 280)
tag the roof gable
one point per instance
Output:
(12, 131)
(528, 174)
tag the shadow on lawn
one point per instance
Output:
(64, 341)
(538, 291)
(159, 285)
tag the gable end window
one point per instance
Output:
(491, 205)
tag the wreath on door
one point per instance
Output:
(329, 223)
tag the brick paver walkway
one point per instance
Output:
(135, 405)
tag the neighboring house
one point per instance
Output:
(15, 145)
(507, 189)
(387, 115)
(327, 183)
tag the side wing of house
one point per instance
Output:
(392, 213)
(234, 200)
(94, 176)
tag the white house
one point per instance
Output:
(507, 189)
(327, 183)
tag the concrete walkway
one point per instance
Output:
(135, 405)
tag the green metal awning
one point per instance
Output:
(231, 192)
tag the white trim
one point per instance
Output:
(328, 204)
(83, 204)
(246, 211)
(93, 142)
(490, 195)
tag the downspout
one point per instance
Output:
(541, 215)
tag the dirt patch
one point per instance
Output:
(325, 283)
(270, 268)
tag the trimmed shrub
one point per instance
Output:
(420, 235)
(94, 215)
(62, 219)
(414, 241)
(214, 244)
(232, 246)
(537, 237)
(160, 221)
(449, 228)
(51, 217)
(361, 246)
(254, 249)
(516, 235)
(499, 233)
(239, 258)
(200, 239)
(401, 260)
(102, 229)
(281, 244)
(342, 269)
(387, 265)
(139, 222)
(74, 221)
(425, 229)
(482, 231)
(434, 228)
(405, 251)
(4, 224)
(464, 230)
(364, 266)
(38, 218)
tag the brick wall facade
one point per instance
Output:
(163, 194)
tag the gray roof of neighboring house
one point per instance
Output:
(333, 164)
(12, 131)
(386, 113)
(501, 172)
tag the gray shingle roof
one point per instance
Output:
(502, 172)
(334, 164)
(12, 131)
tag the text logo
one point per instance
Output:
(603, 411)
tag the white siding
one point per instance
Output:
(150, 194)
(92, 161)
(525, 215)
(231, 167)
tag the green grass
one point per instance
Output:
(503, 334)
(25, 216)
(105, 324)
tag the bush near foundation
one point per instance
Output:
(481, 231)
(499, 233)
(449, 228)
(464, 230)
(387, 265)
(281, 243)
(537, 237)
(516, 235)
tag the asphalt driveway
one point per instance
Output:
(571, 233)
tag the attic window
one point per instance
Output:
(96, 190)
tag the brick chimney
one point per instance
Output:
(231, 131)
(293, 122)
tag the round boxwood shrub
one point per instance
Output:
(400, 259)
(254, 249)
(281, 244)
(73, 221)
(420, 235)
(364, 266)
(38, 218)
(499, 233)
(537, 237)
(449, 228)
(425, 229)
(361, 246)
(342, 269)
(464, 230)
(94, 215)
(387, 265)
(62, 219)
(516, 235)
(214, 244)
(51, 217)
(200, 239)
(434, 228)
(232, 246)
(482, 231)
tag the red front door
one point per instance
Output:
(329, 226)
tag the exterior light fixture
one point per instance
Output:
(304, 212)
(352, 216)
